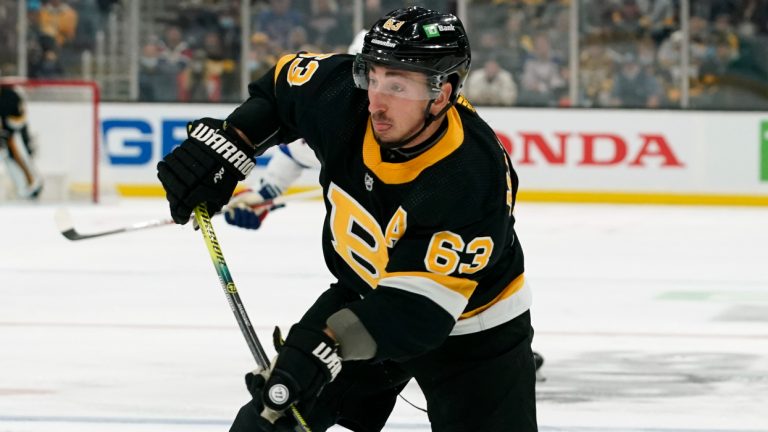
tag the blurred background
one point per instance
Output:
(679, 54)
(661, 101)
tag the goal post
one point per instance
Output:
(63, 119)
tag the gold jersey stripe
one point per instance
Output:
(16, 122)
(404, 172)
(282, 62)
(462, 100)
(510, 289)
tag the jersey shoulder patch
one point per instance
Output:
(300, 68)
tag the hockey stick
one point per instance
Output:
(67, 227)
(233, 298)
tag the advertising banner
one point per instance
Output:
(571, 155)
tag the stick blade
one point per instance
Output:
(65, 225)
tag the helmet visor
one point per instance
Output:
(391, 80)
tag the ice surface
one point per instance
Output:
(650, 318)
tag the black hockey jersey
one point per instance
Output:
(429, 244)
(11, 109)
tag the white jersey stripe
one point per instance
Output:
(502, 311)
(448, 299)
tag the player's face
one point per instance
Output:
(397, 100)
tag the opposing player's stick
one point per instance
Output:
(68, 230)
(233, 298)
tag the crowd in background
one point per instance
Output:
(195, 57)
(58, 32)
(629, 51)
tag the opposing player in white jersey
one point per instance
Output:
(284, 168)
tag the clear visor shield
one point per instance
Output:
(392, 81)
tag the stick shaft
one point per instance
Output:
(228, 285)
(233, 298)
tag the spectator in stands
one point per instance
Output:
(42, 50)
(89, 21)
(229, 28)
(669, 52)
(716, 8)
(708, 89)
(372, 10)
(627, 18)
(192, 81)
(261, 58)
(174, 50)
(515, 42)
(663, 19)
(700, 35)
(8, 36)
(596, 73)
(196, 19)
(298, 40)
(542, 80)
(325, 26)
(723, 29)
(716, 64)
(634, 87)
(211, 76)
(756, 13)
(105, 6)
(59, 20)
(598, 21)
(278, 21)
(559, 35)
(489, 42)
(157, 76)
(491, 85)
(646, 51)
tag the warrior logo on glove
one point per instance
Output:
(328, 356)
(222, 146)
(306, 362)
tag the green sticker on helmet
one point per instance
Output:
(431, 30)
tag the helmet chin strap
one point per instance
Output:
(428, 119)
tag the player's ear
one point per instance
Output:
(443, 99)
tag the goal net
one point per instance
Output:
(63, 121)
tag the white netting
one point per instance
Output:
(62, 117)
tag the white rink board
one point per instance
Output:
(63, 133)
(635, 151)
(632, 150)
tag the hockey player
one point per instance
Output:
(283, 169)
(419, 233)
(16, 144)
(244, 209)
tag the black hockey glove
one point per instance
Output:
(250, 419)
(305, 364)
(205, 168)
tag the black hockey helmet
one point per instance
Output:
(421, 40)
